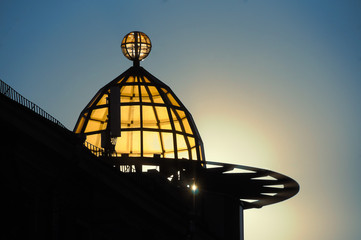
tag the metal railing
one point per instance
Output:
(94, 149)
(17, 97)
(9, 92)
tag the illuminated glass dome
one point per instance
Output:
(153, 121)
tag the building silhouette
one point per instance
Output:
(133, 168)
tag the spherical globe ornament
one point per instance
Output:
(136, 46)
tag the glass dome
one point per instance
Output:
(153, 121)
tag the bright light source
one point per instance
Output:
(194, 187)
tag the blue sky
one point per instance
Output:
(272, 84)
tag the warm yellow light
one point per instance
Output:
(136, 46)
(152, 121)
(237, 141)
(194, 187)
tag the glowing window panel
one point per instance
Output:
(149, 117)
(162, 114)
(80, 125)
(152, 143)
(130, 79)
(145, 96)
(93, 126)
(181, 143)
(130, 116)
(192, 142)
(129, 94)
(176, 122)
(167, 139)
(172, 100)
(186, 125)
(129, 143)
(94, 139)
(146, 79)
(102, 100)
(99, 114)
(194, 153)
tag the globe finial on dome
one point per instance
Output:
(136, 46)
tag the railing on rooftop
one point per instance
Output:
(9, 92)
(17, 97)
(94, 149)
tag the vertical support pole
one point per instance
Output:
(137, 50)
(114, 112)
(113, 127)
(241, 223)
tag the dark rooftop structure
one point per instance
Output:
(134, 167)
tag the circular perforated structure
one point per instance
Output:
(255, 187)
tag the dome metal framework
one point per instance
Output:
(153, 121)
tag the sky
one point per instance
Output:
(273, 84)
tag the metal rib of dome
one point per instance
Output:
(153, 120)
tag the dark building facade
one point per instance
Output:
(53, 187)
